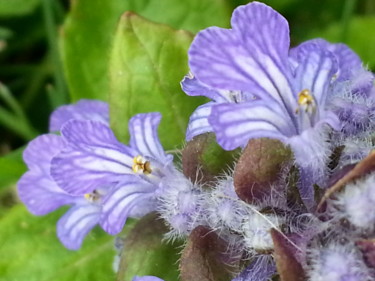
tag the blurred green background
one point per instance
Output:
(54, 52)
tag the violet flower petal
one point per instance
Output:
(36, 188)
(83, 110)
(121, 199)
(40, 151)
(92, 159)
(348, 61)
(251, 57)
(76, 223)
(315, 73)
(192, 87)
(144, 136)
(40, 193)
(235, 124)
(198, 123)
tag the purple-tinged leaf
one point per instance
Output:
(367, 247)
(145, 252)
(258, 167)
(205, 257)
(203, 159)
(287, 265)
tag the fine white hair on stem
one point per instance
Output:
(270, 222)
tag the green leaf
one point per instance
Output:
(147, 62)
(31, 251)
(203, 160)
(10, 8)
(11, 168)
(360, 37)
(145, 252)
(88, 30)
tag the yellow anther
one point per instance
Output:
(140, 165)
(306, 101)
(92, 197)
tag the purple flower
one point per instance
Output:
(83, 110)
(260, 88)
(41, 195)
(103, 180)
(93, 160)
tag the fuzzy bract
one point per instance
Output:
(181, 205)
(260, 269)
(337, 263)
(356, 203)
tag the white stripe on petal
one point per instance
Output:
(121, 199)
(76, 223)
(198, 123)
(144, 136)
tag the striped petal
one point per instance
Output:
(120, 201)
(235, 124)
(76, 223)
(40, 151)
(348, 61)
(192, 87)
(40, 193)
(144, 136)
(252, 57)
(93, 158)
(198, 123)
(315, 73)
(83, 110)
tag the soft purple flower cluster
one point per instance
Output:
(316, 98)
(103, 180)
(261, 88)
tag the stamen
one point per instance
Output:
(306, 101)
(140, 165)
(92, 197)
